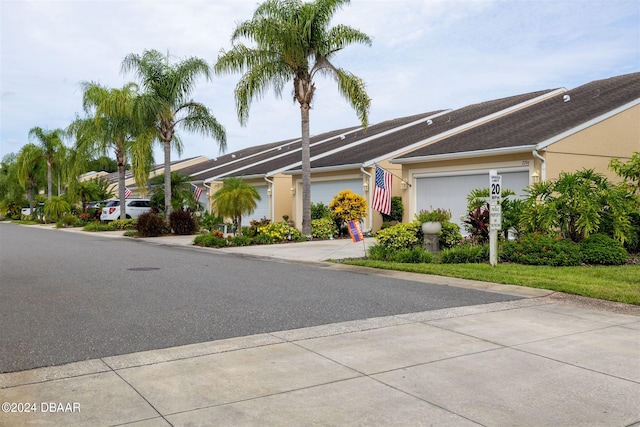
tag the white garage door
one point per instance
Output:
(262, 210)
(325, 191)
(450, 192)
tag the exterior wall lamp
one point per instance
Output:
(365, 186)
(269, 191)
(293, 191)
(403, 184)
(535, 177)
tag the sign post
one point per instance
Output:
(495, 214)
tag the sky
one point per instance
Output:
(426, 55)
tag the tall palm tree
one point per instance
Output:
(51, 144)
(112, 124)
(293, 40)
(167, 103)
(31, 165)
(236, 198)
(181, 191)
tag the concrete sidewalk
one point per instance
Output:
(539, 361)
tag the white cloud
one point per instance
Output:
(426, 55)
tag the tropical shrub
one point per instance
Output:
(276, 232)
(55, 208)
(602, 249)
(320, 210)
(183, 223)
(150, 224)
(252, 230)
(542, 249)
(125, 224)
(131, 233)
(477, 223)
(210, 240)
(399, 236)
(580, 204)
(511, 209)
(465, 254)
(323, 228)
(347, 206)
(379, 252)
(210, 221)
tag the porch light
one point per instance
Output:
(269, 191)
(403, 184)
(535, 177)
(293, 191)
(365, 186)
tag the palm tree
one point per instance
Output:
(236, 198)
(167, 103)
(181, 191)
(112, 124)
(51, 144)
(294, 41)
(31, 165)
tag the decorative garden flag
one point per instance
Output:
(355, 231)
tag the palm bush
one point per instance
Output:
(55, 208)
(236, 198)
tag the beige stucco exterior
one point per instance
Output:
(594, 146)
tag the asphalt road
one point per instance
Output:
(68, 297)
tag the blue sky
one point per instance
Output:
(426, 55)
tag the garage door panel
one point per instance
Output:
(450, 192)
(325, 191)
(262, 210)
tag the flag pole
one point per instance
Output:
(392, 174)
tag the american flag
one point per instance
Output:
(197, 192)
(382, 194)
(127, 192)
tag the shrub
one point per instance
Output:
(131, 233)
(450, 235)
(240, 240)
(477, 223)
(542, 249)
(320, 210)
(347, 206)
(150, 224)
(602, 249)
(436, 215)
(397, 210)
(69, 220)
(252, 231)
(210, 221)
(465, 254)
(276, 232)
(55, 208)
(399, 236)
(182, 222)
(323, 228)
(98, 226)
(411, 256)
(124, 224)
(379, 253)
(210, 240)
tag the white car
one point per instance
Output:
(133, 209)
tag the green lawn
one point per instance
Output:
(620, 284)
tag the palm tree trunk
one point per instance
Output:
(167, 178)
(49, 180)
(306, 171)
(121, 183)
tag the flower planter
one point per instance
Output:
(431, 227)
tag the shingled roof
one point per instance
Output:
(539, 122)
(319, 144)
(422, 131)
